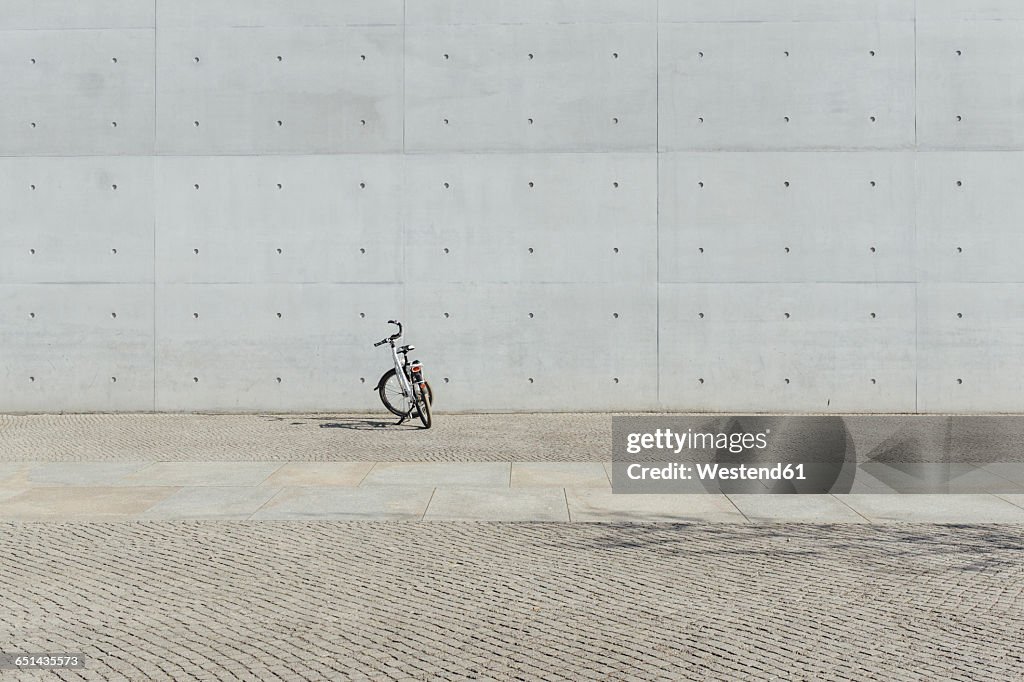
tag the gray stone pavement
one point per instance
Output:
(225, 547)
(456, 601)
(439, 491)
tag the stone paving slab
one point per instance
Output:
(7, 493)
(201, 473)
(962, 508)
(935, 478)
(796, 508)
(81, 503)
(481, 491)
(1012, 471)
(476, 474)
(351, 601)
(320, 474)
(399, 503)
(81, 473)
(211, 503)
(560, 474)
(489, 504)
(1016, 500)
(9, 471)
(599, 505)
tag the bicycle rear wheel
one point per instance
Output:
(423, 404)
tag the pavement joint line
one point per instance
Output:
(568, 509)
(269, 500)
(148, 465)
(848, 506)
(994, 496)
(271, 474)
(997, 474)
(1002, 496)
(426, 508)
(368, 472)
(736, 507)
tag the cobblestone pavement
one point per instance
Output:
(314, 601)
(351, 438)
(552, 437)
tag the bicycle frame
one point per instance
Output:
(403, 379)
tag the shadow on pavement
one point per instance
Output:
(366, 424)
(970, 547)
(335, 422)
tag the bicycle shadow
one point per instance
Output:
(363, 424)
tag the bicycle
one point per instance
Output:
(403, 390)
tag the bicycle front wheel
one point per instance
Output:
(391, 394)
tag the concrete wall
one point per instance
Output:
(573, 204)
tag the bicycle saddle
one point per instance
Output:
(406, 349)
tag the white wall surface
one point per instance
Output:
(779, 205)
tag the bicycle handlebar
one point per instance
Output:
(393, 337)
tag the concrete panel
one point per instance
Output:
(83, 347)
(335, 218)
(726, 86)
(606, 507)
(786, 347)
(445, 474)
(805, 508)
(971, 342)
(80, 473)
(525, 223)
(225, 503)
(560, 474)
(964, 10)
(969, 90)
(531, 218)
(789, 10)
(295, 474)
(279, 90)
(344, 504)
(969, 212)
(454, 12)
(224, 347)
(76, 92)
(959, 509)
(55, 14)
(804, 217)
(258, 13)
(87, 219)
(507, 506)
(587, 87)
(81, 504)
(574, 348)
(200, 474)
